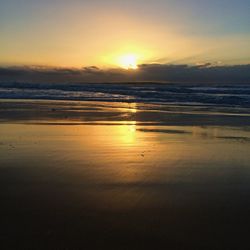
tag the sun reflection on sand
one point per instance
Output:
(119, 167)
(128, 132)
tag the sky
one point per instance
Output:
(78, 33)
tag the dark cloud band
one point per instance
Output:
(206, 73)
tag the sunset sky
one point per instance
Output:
(105, 33)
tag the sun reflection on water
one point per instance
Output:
(129, 108)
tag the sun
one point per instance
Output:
(128, 61)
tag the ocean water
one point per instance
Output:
(220, 95)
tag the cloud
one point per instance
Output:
(199, 73)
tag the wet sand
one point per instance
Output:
(129, 176)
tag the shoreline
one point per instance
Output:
(96, 112)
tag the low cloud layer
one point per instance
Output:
(205, 73)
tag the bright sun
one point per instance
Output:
(128, 61)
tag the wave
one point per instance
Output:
(217, 95)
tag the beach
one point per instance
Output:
(107, 175)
